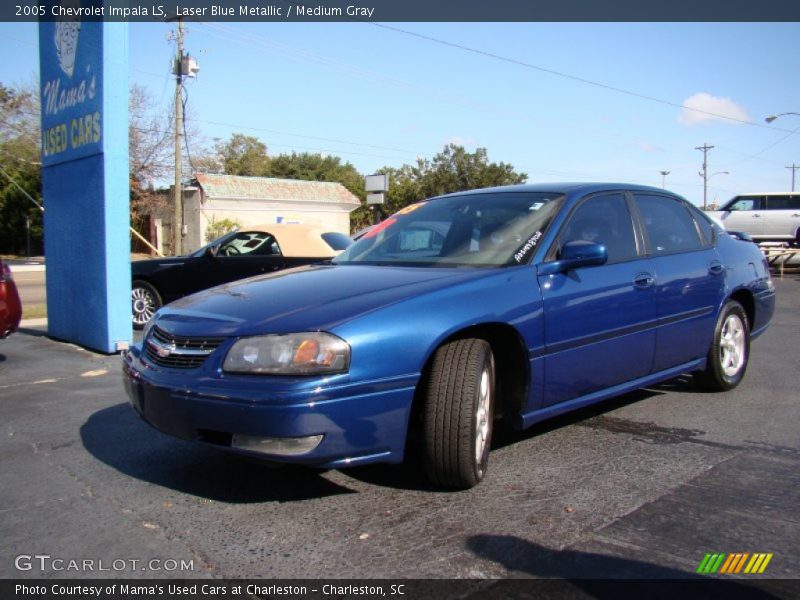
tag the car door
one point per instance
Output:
(746, 214)
(243, 255)
(690, 278)
(782, 218)
(249, 253)
(598, 320)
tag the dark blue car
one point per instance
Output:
(518, 303)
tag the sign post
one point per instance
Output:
(84, 103)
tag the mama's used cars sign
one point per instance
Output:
(85, 185)
(71, 90)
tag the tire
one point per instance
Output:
(730, 350)
(458, 409)
(145, 301)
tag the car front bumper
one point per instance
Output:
(359, 424)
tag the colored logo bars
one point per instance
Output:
(734, 563)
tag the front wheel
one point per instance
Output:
(458, 397)
(145, 301)
(730, 350)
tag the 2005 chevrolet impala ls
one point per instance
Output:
(519, 303)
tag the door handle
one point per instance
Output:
(756, 216)
(796, 215)
(716, 268)
(643, 280)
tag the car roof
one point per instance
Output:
(297, 240)
(767, 194)
(571, 188)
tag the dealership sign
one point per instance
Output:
(85, 178)
(71, 90)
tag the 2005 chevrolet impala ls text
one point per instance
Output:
(516, 303)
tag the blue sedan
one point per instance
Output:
(517, 303)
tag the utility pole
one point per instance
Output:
(794, 168)
(177, 213)
(704, 173)
(664, 179)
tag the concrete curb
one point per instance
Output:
(37, 323)
(26, 268)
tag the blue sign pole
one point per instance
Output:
(84, 97)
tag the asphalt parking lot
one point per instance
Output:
(642, 486)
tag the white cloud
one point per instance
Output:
(704, 108)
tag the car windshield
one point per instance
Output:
(485, 229)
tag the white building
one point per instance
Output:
(258, 200)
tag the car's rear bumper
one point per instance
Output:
(364, 427)
(10, 308)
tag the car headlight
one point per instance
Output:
(313, 353)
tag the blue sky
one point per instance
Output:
(381, 97)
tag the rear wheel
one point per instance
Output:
(730, 350)
(145, 301)
(458, 397)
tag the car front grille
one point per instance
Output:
(178, 352)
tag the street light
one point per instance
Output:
(663, 178)
(705, 184)
(771, 118)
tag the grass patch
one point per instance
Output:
(34, 311)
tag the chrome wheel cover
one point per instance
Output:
(482, 416)
(732, 345)
(143, 305)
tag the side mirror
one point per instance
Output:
(575, 254)
(741, 235)
(211, 252)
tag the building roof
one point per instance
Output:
(236, 187)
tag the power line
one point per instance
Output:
(757, 154)
(257, 41)
(563, 75)
(21, 189)
(304, 136)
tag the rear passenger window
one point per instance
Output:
(705, 225)
(783, 202)
(669, 225)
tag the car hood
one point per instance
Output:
(317, 297)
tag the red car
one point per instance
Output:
(10, 306)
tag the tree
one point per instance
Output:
(19, 160)
(316, 167)
(150, 150)
(218, 228)
(452, 170)
(243, 155)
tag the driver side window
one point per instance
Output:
(746, 203)
(257, 243)
(603, 220)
